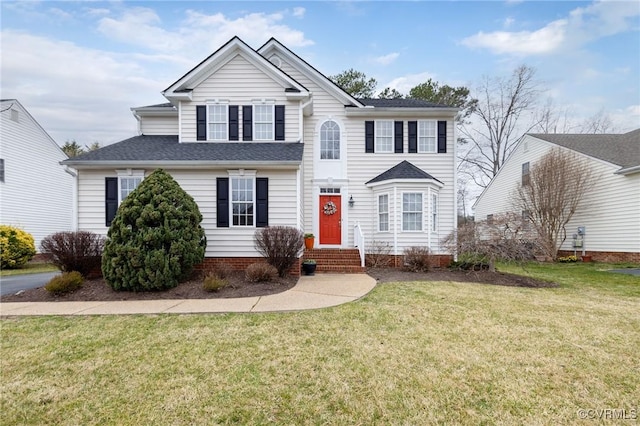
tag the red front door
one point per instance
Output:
(330, 219)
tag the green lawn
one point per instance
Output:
(408, 353)
(29, 268)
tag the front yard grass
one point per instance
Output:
(408, 353)
(29, 268)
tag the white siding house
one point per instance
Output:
(610, 211)
(312, 156)
(36, 193)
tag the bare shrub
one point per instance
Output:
(213, 282)
(506, 237)
(378, 254)
(417, 259)
(222, 270)
(260, 272)
(74, 251)
(280, 245)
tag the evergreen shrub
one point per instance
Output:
(16, 247)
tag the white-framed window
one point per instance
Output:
(427, 136)
(526, 176)
(263, 122)
(128, 180)
(434, 212)
(412, 211)
(218, 122)
(329, 190)
(330, 140)
(383, 212)
(242, 200)
(384, 136)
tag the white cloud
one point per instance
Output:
(581, 26)
(75, 92)
(299, 12)
(405, 83)
(508, 22)
(387, 59)
(199, 34)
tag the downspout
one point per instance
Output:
(74, 197)
(139, 120)
(395, 221)
(301, 117)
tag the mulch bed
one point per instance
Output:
(99, 290)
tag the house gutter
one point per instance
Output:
(74, 197)
(301, 117)
(628, 170)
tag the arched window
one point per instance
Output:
(330, 141)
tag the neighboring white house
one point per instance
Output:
(610, 211)
(36, 194)
(261, 138)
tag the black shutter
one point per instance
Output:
(442, 137)
(413, 136)
(279, 122)
(201, 122)
(247, 123)
(222, 202)
(262, 202)
(233, 122)
(110, 199)
(398, 136)
(368, 136)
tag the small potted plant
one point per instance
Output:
(309, 240)
(309, 266)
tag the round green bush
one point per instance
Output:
(155, 238)
(65, 283)
(16, 247)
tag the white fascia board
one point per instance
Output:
(628, 170)
(401, 112)
(220, 58)
(313, 74)
(263, 165)
(397, 182)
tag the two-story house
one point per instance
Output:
(261, 138)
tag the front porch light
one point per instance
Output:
(351, 202)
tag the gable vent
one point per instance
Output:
(275, 60)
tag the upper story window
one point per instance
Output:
(412, 211)
(526, 177)
(427, 136)
(383, 212)
(263, 122)
(384, 136)
(218, 124)
(330, 141)
(242, 201)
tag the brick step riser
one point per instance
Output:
(344, 261)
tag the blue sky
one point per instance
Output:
(79, 66)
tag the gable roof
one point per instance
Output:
(620, 149)
(273, 46)
(184, 85)
(154, 150)
(403, 170)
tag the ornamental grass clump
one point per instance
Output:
(155, 238)
(65, 283)
(16, 247)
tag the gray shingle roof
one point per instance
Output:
(620, 149)
(167, 149)
(401, 103)
(403, 170)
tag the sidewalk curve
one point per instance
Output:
(311, 292)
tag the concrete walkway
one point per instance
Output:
(311, 292)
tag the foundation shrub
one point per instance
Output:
(74, 251)
(280, 245)
(260, 272)
(65, 283)
(213, 282)
(417, 259)
(16, 247)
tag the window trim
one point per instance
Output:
(434, 212)
(255, 121)
(421, 212)
(333, 150)
(377, 136)
(387, 213)
(421, 136)
(128, 174)
(226, 122)
(245, 175)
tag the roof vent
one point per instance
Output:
(275, 60)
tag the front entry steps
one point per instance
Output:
(337, 261)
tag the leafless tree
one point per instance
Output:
(600, 122)
(551, 119)
(552, 194)
(503, 114)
